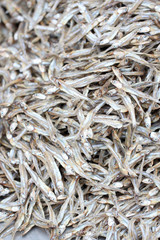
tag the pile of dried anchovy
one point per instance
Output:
(80, 118)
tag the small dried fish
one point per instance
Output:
(24, 177)
(80, 118)
(40, 184)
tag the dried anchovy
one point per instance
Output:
(80, 118)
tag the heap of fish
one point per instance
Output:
(80, 118)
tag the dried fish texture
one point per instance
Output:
(80, 118)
